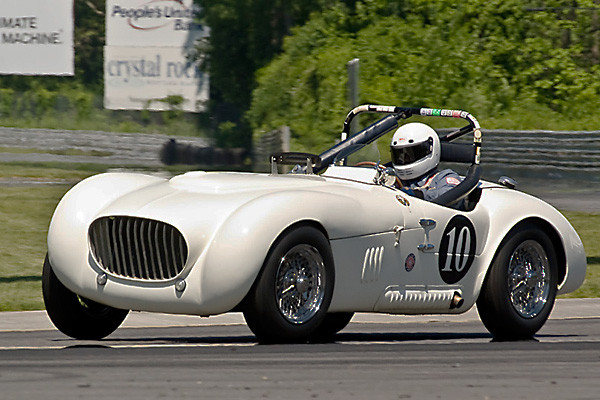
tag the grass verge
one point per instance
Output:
(587, 226)
(24, 216)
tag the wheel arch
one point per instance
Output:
(251, 231)
(305, 222)
(552, 234)
(294, 225)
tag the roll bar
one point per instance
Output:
(386, 124)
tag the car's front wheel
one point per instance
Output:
(74, 315)
(291, 295)
(519, 291)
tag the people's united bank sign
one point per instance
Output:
(36, 37)
(146, 58)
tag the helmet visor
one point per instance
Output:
(410, 154)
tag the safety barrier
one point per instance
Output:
(542, 154)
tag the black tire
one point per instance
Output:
(332, 324)
(76, 316)
(291, 295)
(520, 288)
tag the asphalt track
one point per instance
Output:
(375, 357)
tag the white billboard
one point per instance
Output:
(159, 23)
(36, 37)
(138, 78)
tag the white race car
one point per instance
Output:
(299, 253)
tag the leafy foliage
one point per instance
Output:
(496, 58)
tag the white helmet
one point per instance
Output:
(415, 150)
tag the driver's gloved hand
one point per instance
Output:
(418, 194)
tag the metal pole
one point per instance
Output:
(353, 71)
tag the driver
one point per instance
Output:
(416, 154)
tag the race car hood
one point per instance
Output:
(212, 193)
(206, 200)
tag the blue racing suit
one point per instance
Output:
(432, 185)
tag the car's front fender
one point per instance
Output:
(239, 247)
(67, 234)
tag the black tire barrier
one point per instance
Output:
(173, 153)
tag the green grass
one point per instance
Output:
(24, 216)
(168, 122)
(588, 227)
(49, 171)
(26, 210)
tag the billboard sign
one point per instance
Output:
(138, 78)
(36, 37)
(152, 23)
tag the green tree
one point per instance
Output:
(89, 42)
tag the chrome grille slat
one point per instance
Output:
(127, 251)
(103, 242)
(157, 248)
(149, 250)
(144, 224)
(182, 249)
(121, 249)
(175, 249)
(115, 254)
(138, 248)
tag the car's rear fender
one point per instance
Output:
(505, 216)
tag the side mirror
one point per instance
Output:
(507, 182)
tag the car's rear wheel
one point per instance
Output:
(519, 291)
(292, 293)
(74, 315)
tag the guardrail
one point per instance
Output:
(541, 154)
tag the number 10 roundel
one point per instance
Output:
(457, 250)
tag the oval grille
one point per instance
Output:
(138, 248)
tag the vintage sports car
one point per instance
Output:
(299, 253)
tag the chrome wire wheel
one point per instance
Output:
(519, 290)
(300, 283)
(291, 295)
(529, 279)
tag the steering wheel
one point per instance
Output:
(373, 164)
